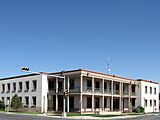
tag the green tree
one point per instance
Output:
(16, 102)
(2, 105)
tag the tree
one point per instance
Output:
(16, 102)
(2, 105)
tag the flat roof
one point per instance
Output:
(150, 81)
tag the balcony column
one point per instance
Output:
(120, 92)
(122, 97)
(68, 94)
(129, 99)
(103, 86)
(56, 94)
(112, 96)
(93, 85)
(81, 89)
(92, 103)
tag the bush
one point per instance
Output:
(2, 105)
(136, 110)
(16, 102)
(141, 109)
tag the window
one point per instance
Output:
(150, 103)
(89, 102)
(27, 100)
(89, 83)
(8, 88)
(97, 84)
(154, 102)
(34, 101)
(27, 86)
(71, 82)
(20, 87)
(150, 90)
(145, 103)
(146, 89)
(20, 99)
(34, 85)
(155, 91)
(14, 87)
(2, 99)
(3, 88)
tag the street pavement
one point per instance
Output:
(6, 116)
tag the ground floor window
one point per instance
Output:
(154, 102)
(145, 101)
(89, 102)
(27, 101)
(34, 100)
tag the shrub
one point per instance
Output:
(141, 109)
(2, 105)
(136, 110)
(16, 102)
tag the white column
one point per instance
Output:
(112, 96)
(103, 103)
(81, 89)
(56, 94)
(68, 94)
(92, 103)
(93, 85)
(103, 86)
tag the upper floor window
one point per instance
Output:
(20, 87)
(34, 85)
(27, 86)
(3, 88)
(155, 91)
(150, 90)
(14, 87)
(8, 88)
(71, 82)
(146, 89)
(89, 83)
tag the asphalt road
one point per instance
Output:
(4, 116)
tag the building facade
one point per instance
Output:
(88, 92)
(148, 95)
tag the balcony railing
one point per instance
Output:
(107, 91)
(133, 94)
(98, 90)
(52, 91)
(88, 89)
(74, 90)
(116, 92)
(125, 92)
(60, 90)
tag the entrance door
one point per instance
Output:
(71, 103)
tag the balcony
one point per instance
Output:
(107, 91)
(33, 90)
(126, 92)
(60, 90)
(8, 91)
(2, 92)
(13, 91)
(98, 90)
(116, 92)
(20, 90)
(52, 91)
(26, 90)
(133, 94)
(74, 90)
(88, 89)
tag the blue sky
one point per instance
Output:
(55, 35)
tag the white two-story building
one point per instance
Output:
(148, 95)
(89, 92)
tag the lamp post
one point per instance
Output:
(25, 69)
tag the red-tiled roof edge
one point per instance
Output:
(148, 81)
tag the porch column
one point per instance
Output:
(103, 103)
(122, 98)
(56, 94)
(112, 103)
(81, 89)
(92, 84)
(112, 96)
(103, 86)
(92, 103)
(68, 94)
